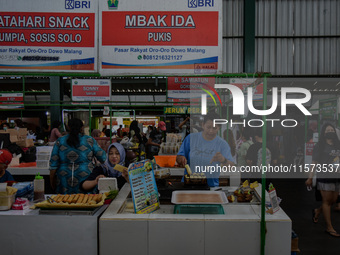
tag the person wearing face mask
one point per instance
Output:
(115, 155)
(4, 126)
(326, 153)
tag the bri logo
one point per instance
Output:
(73, 4)
(200, 3)
(113, 4)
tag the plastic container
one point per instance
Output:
(44, 149)
(6, 202)
(39, 188)
(43, 156)
(166, 160)
(42, 163)
(198, 209)
(106, 184)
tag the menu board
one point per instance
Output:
(143, 187)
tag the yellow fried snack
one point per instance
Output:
(80, 199)
(70, 198)
(187, 167)
(99, 198)
(60, 199)
(75, 199)
(86, 197)
(66, 198)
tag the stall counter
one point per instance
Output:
(25, 232)
(162, 232)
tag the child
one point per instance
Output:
(115, 155)
(5, 160)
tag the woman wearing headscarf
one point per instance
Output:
(115, 155)
(72, 159)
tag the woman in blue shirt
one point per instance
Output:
(204, 150)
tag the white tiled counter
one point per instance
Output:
(235, 232)
(25, 232)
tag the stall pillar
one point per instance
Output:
(249, 36)
(55, 98)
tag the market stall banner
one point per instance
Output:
(11, 101)
(48, 36)
(186, 90)
(328, 109)
(182, 110)
(91, 90)
(160, 37)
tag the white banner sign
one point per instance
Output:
(160, 37)
(48, 35)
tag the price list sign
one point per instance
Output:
(143, 187)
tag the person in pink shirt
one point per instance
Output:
(55, 133)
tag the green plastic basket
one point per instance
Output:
(198, 209)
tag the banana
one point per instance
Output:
(187, 167)
(245, 183)
(254, 185)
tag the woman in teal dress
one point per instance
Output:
(72, 159)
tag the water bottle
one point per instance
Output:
(39, 188)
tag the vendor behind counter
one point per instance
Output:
(205, 149)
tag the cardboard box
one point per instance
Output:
(22, 137)
(13, 131)
(25, 143)
(295, 244)
(22, 132)
(13, 138)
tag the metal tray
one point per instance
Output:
(198, 197)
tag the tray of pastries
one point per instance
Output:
(195, 179)
(72, 202)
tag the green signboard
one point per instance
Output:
(328, 109)
(182, 110)
(121, 114)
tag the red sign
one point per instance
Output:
(173, 28)
(90, 91)
(149, 123)
(189, 89)
(309, 148)
(11, 100)
(47, 29)
(107, 122)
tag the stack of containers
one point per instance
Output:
(43, 156)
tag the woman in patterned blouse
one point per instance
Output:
(72, 159)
